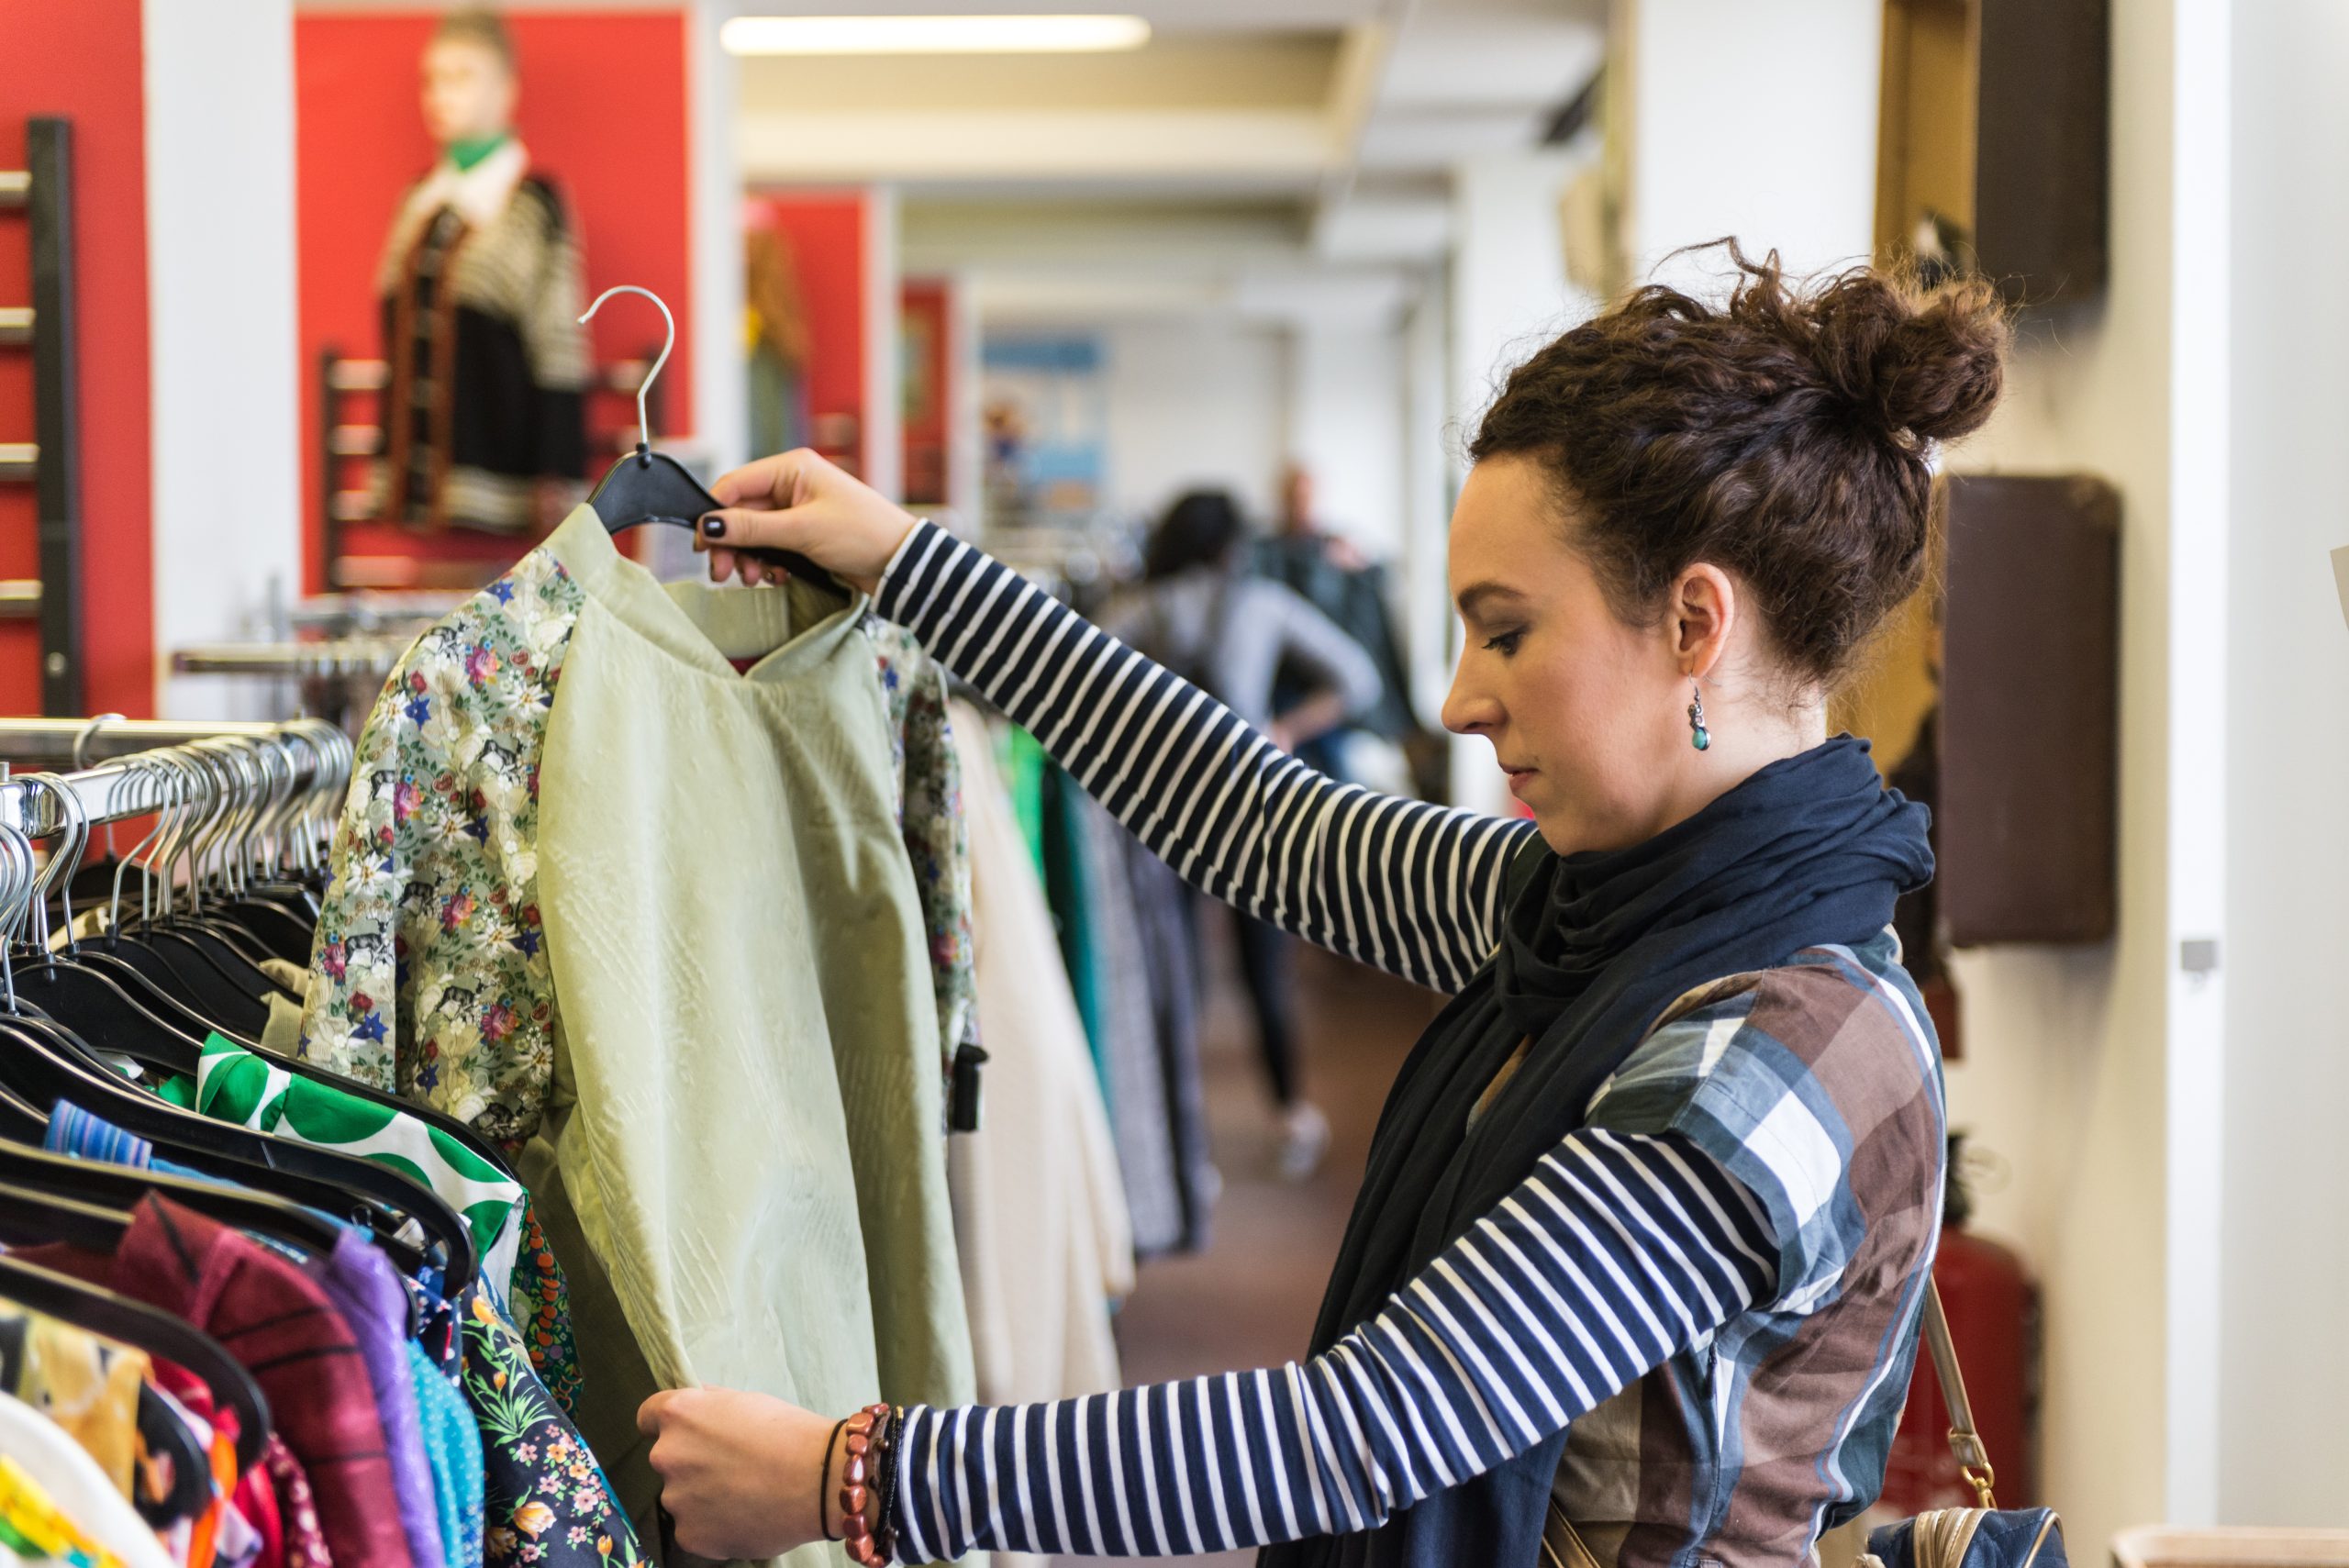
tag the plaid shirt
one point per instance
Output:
(1714, 1287)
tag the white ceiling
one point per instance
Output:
(1288, 158)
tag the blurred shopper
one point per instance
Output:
(1201, 615)
(1337, 579)
(1633, 1276)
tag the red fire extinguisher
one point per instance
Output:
(1993, 1311)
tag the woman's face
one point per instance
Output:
(1587, 715)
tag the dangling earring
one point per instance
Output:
(1698, 736)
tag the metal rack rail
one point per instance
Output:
(111, 792)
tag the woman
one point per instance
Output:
(1202, 615)
(1639, 1251)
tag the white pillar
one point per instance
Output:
(1430, 481)
(1753, 121)
(224, 365)
(721, 398)
(1509, 294)
(2201, 241)
(885, 419)
(1345, 406)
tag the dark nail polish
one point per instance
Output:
(715, 527)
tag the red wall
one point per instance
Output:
(83, 61)
(603, 110)
(926, 312)
(827, 234)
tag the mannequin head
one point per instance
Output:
(469, 80)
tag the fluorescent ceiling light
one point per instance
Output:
(932, 35)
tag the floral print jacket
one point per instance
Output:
(430, 973)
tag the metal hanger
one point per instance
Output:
(46, 1064)
(119, 1009)
(653, 487)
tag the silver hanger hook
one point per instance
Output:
(643, 423)
(73, 828)
(15, 885)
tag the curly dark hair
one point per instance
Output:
(1782, 436)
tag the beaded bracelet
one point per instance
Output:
(886, 1473)
(865, 1528)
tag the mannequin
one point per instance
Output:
(480, 284)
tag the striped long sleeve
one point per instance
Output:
(1407, 887)
(1617, 1253)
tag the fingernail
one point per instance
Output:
(714, 527)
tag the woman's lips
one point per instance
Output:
(1519, 778)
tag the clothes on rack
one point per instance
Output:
(1127, 940)
(390, 1413)
(717, 1056)
(1039, 1209)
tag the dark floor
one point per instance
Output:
(1250, 1299)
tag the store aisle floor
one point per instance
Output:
(1250, 1299)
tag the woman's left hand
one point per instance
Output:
(739, 1471)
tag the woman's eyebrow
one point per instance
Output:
(1477, 594)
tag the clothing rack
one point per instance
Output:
(119, 790)
(78, 742)
(52, 461)
(334, 658)
(363, 611)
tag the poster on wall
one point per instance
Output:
(1045, 413)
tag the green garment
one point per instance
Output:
(742, 1140)
(234, 1084)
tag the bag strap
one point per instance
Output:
(1972, 1459)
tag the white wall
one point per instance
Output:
(1345, 425)
(1756, 121)
(2285, 1442)
(1509, 293)
(225, 370)
(1194, 402)
(721, 411)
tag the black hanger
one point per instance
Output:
(151, 1330)
(654, 487)
(647, 486)
(96, 1005)
(44, 1072)
(109, 1003)
(175, 966)
(100, 1185)
(275, 925)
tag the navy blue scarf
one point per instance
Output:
(1809, 850)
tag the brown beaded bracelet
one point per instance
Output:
(863, 1529)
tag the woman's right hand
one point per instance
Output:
(800, 502)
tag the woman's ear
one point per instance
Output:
(1702, 615)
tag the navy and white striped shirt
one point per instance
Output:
(1692, 1245)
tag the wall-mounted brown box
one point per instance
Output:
(2030, 709)
(1994, 119)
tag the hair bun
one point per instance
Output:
(1916, 364)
